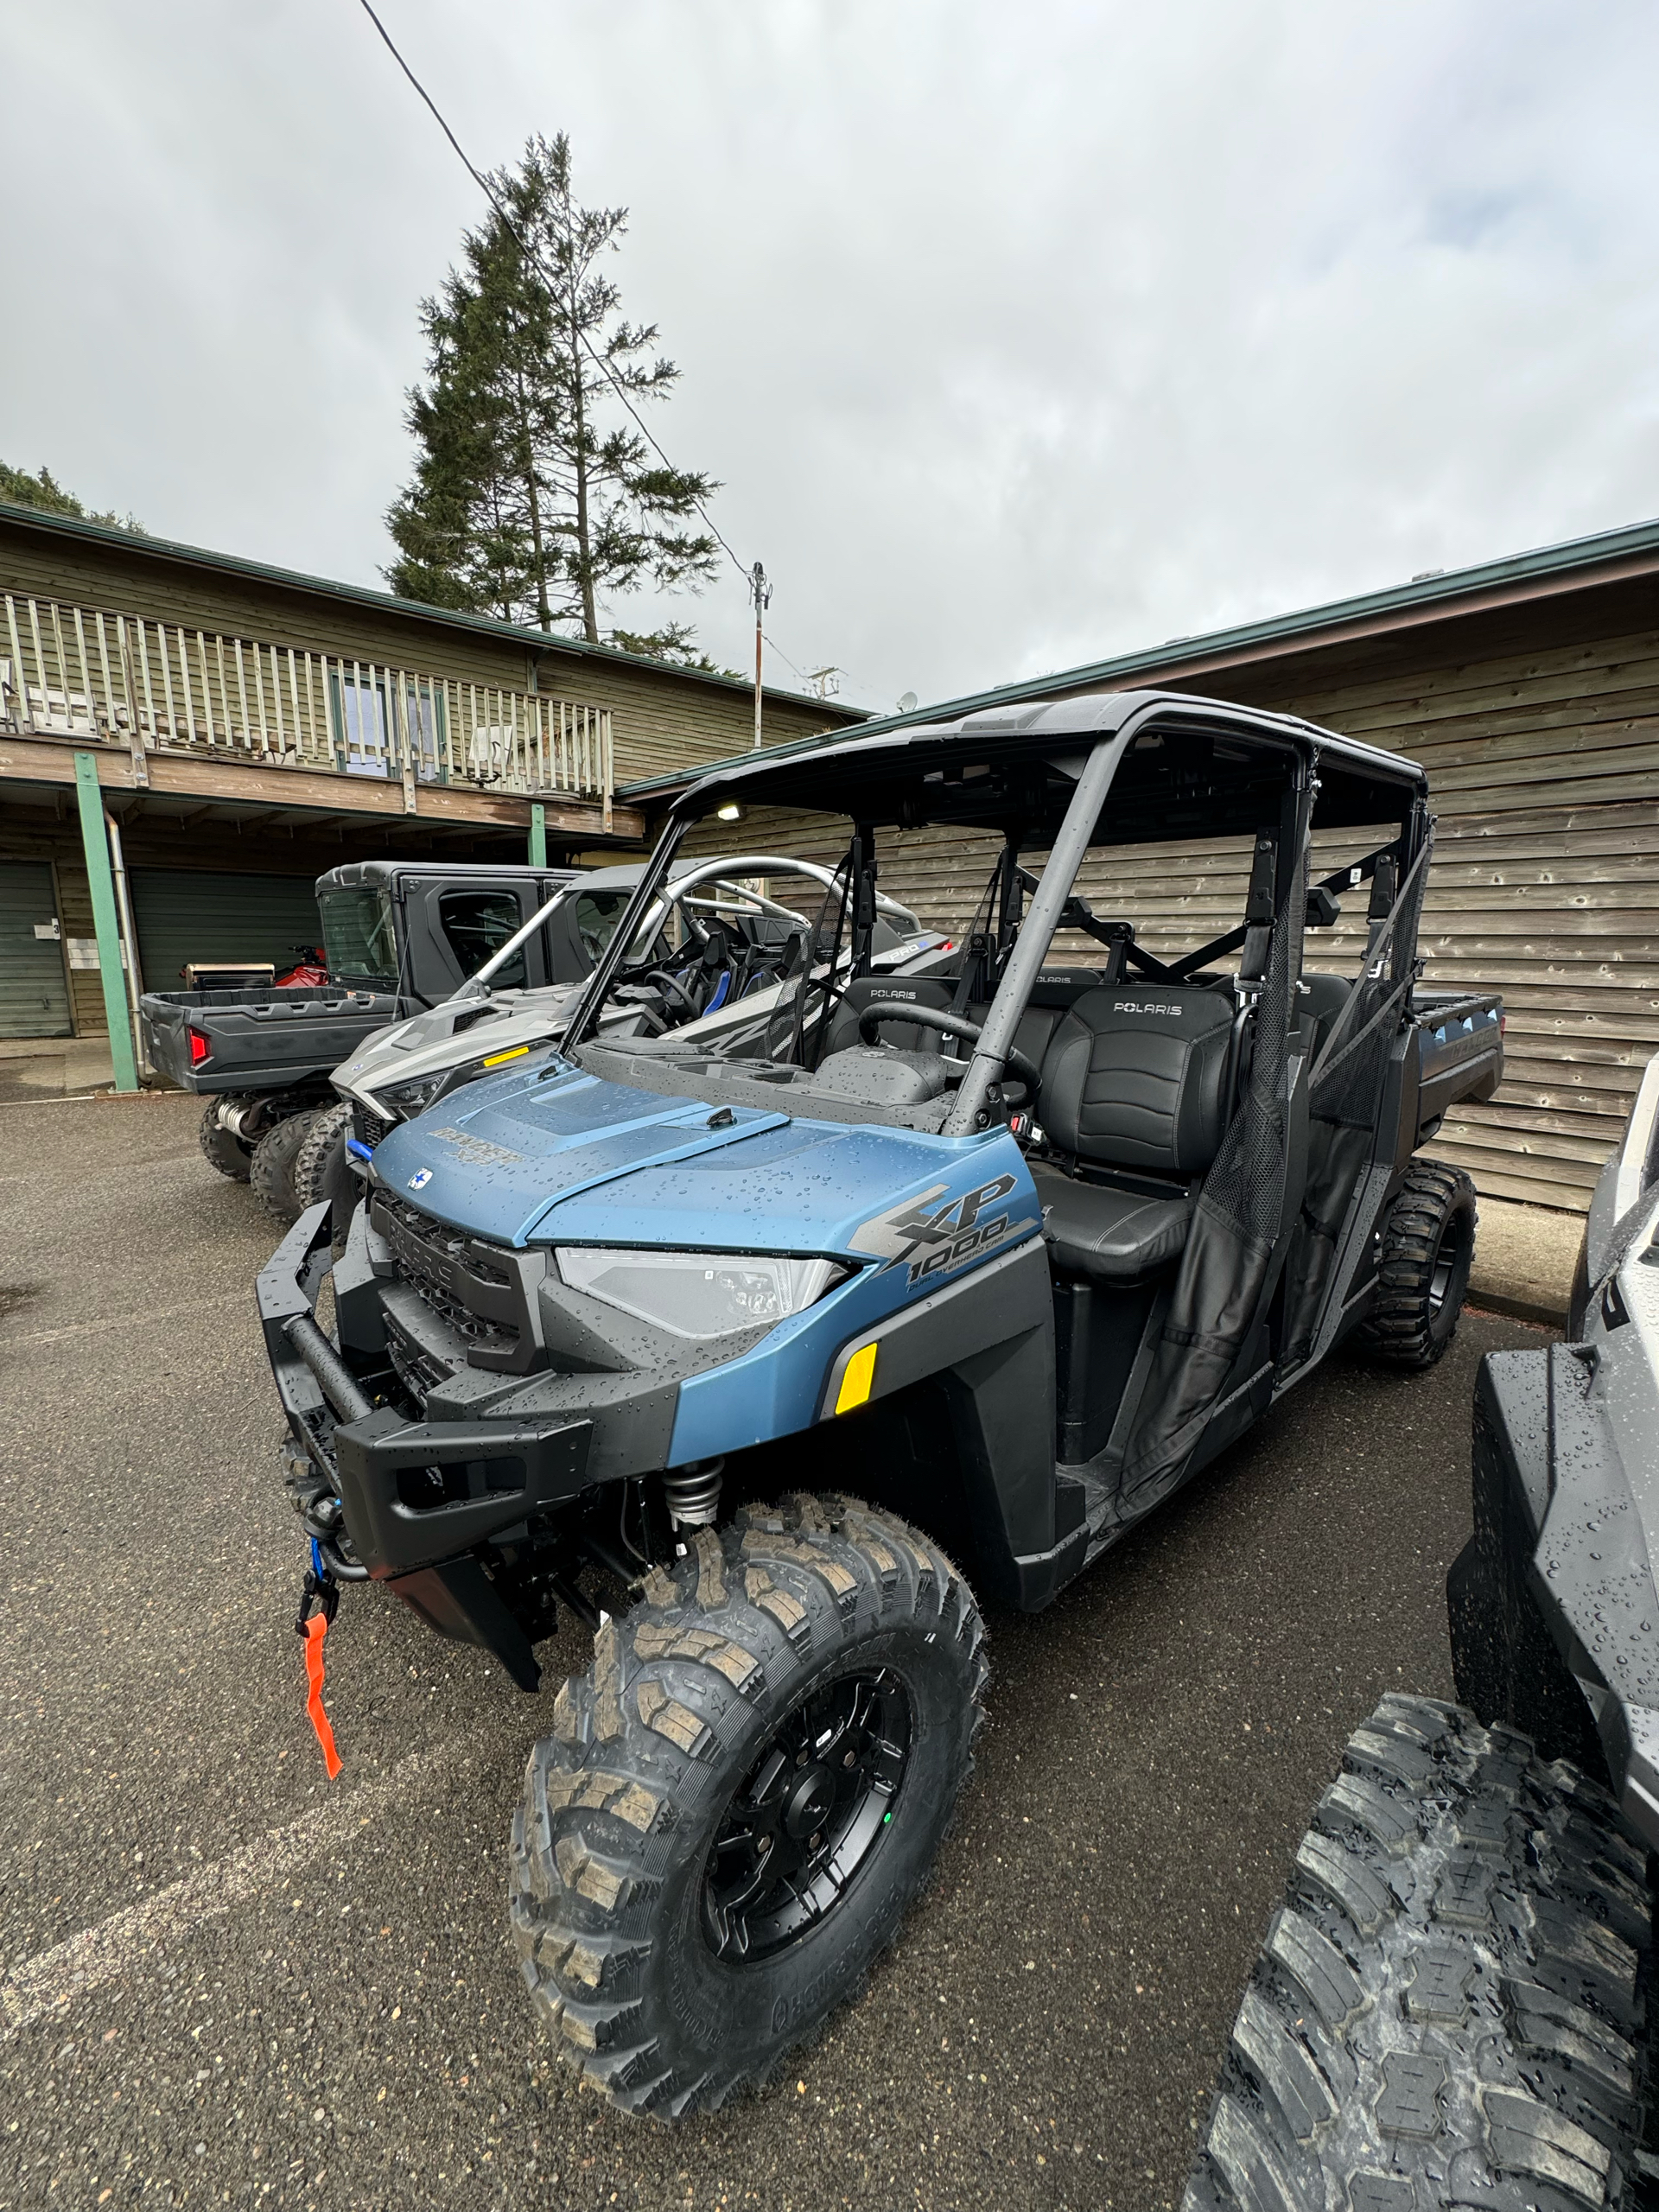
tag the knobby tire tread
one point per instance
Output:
(642, 1750)
(1450, 2009)
(1402, 1329)
(221, 1148)
(272, 1171)
(319, 1161)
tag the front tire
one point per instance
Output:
(321, 1171)
(801, 1691)
(1428, 1247)
(1450, 2007)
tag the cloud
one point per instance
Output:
(1017, 336)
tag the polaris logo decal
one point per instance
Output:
(420, 1179)
(932, 1240)
(1134, 1005)
(477, 1152)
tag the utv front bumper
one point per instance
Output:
(418, 1492)
(1553, 1605)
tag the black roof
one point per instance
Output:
(1199, 766)
(360, 875)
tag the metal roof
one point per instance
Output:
(1457, 591)
(383, 602)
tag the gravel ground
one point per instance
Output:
(228, 1982)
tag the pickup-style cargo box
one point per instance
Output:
(271, 1039)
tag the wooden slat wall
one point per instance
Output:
(1544, 768)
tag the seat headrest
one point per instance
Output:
(1139, 1076)
(900, 990)
(1183, 1009)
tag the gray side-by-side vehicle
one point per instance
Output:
(715, 952)
(398, 936)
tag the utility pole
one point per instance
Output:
(761, 593)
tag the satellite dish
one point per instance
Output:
(907, 703)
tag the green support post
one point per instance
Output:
(538, 835)
(96, 846)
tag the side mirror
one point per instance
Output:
(1322, 908)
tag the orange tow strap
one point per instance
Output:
(315, 1629)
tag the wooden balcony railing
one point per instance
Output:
(158, 687)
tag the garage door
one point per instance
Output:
(34, 994)
(186, 915)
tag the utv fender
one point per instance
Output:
(989, 1340)
(1550, 1602)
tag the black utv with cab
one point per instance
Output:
(399, 936)
(751, 1359)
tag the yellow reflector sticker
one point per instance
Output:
(856, 1379)
(496, 1058)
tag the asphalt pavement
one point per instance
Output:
(227, 1981)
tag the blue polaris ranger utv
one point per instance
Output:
(762, 1359)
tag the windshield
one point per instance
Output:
(359, 937)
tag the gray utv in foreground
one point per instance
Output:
(1452, 2007)
(762, 1351)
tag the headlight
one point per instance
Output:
(698, 1293)
(414, 1097)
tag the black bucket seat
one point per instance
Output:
(1137, 1080)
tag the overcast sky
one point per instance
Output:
(1018, 335)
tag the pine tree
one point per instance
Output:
(486, 425)
(531, 498)
(46, 494)
(676, 643)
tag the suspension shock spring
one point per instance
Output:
(692, 1493)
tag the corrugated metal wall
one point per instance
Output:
(33, 986)
(183, 914)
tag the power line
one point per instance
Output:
(534, 258)
(856, 681)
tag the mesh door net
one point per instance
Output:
(1225, 1266)
(1344, 1091)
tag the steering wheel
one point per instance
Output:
(954, 1024)
(673, 989)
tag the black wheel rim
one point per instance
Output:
(808, 1817)
(1448, 1259)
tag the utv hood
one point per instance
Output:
(567, 1157)
(447, 1036)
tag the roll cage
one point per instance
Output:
(1064, 778)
